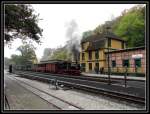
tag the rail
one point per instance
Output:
(46, 93)
(118, 95)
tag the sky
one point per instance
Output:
(55, 17)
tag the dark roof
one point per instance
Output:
(53, 61)
(127, 49)
(99, 36)
(97, 44)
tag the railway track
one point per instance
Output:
(75, 84)
(89, 78)
(99, 79)
(59, 103)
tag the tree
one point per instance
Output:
(47, 53)
(130, 26)
(27, 56)
(60, 53)
(87, 33)
(27, 53)
(21, 22)
(16, 59)
(7, 62)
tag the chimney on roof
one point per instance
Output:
(108, 27)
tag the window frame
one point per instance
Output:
(90, 66)
(113, 63)
(90, 55)
(124, 62)
(139, 63)
(109, 42)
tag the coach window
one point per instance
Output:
(126, 63)
(138, 62)
(113, 63)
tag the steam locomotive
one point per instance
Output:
(53, 66)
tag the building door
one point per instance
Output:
(97, 65)
(90, 66)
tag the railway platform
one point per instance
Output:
(115, 76)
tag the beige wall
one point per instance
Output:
(116, 44)
(102, 57)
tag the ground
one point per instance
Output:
(20, 98)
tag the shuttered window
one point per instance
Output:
(138, 62)
(126, 63)
(113, 63)
(90, 66)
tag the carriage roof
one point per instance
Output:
(53, 61)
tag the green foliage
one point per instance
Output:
(16, 59)
(130, 26)
(27, 56)
(87, 33)
(7, 62)
(21, 22)
(60, 53)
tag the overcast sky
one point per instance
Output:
(56, 16)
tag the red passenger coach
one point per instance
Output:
(57, 66)
(51, 67)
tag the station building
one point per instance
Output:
(95, 50)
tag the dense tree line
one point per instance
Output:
(130, 26)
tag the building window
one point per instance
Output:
(82, 56)
(90, 66)
(83, 66)
(96, 54)
(90, 55)
(126, 63)
(113, 63)
(137, 62)
(122, 45)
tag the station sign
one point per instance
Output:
(137, 56)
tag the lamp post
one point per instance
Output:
(109, 81)
(108, 67)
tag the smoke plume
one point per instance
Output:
(73, 42)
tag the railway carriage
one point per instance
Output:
(57, 66)
(53, 66)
